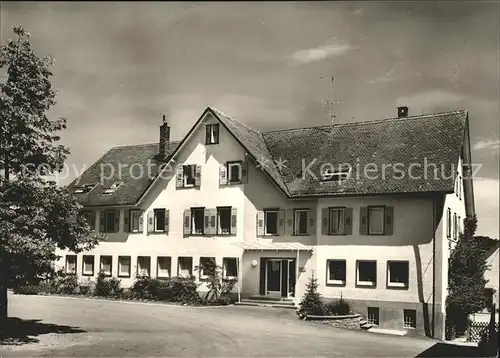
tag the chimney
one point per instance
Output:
(402, 112)
(164, 139)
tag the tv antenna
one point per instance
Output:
(330, 101)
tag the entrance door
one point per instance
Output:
(291, 278)
(273, 277)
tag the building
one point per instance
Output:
(370, 208)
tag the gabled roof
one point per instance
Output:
(394, 144)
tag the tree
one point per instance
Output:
(465, 277)
(36, 216)
(312, 302)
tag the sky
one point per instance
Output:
(120, 66)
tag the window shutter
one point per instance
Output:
(223, 174)
(260, 223)
(179, 177)
(101, 221)
(197, 182)
(289, 222)
(92, 220)
(117, 221)
(187, 222)
(213, 221)
(324, 221)
(151, 216)
(363, 220)
(141, 223)
(207, 230)
(126, 219)
(234, 218)
(167, 220)
(244, 171)
(389, 220)
(311, 222)
(207, 134)
(348, 221)
(281, 222)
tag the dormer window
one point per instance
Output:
(84, 188)
(339, 174)
(112, 188)
(212, 133)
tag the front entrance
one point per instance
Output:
(277, 277)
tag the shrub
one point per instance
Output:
(219, 289)
(64, 283)
(107, 287)
(184, 290)
(146, 288)
(225, 300)
(312, 302)
(27, 289)
(338, 308)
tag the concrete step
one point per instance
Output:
(268, 304)
(251, 300)
(366, 326)
(362, 322)
(270, 298)
(388, 331)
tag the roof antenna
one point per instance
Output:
(330, 102)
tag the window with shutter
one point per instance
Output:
(197, 221)
(234, 172)
(260, 223)
(300, 225)
(187, 222)
(271, 222)
(337, 221)
(448, 223)
(376, 220)
(110, 221)
(222, 174)
(159, 220)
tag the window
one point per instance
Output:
(397, 274)
(339, 174)
(88, 265)
(112, 188)
(106, 265)
(234, 172)
(164, 264)
(459, 225)
(207, 265)
(110, 221)
(159, 219)
(70, 263)
(455, 226)
(124, 264)
(212, 133)
(336, 221)
(224, 221)
(89, 218)
(460, 187)
(83, 189)
(366, 273)
(300, 223)
(336, 272)
(197, 220)
(488, 299)
(185, 267)
(271, 222)
(376, 220)
(448, 223)
(135, 216)
(230, 268)
(410, 318)
(373, 315)
(144, 266)
(189, 175)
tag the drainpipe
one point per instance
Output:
(239, 278)
(433, 264)
(296, 275)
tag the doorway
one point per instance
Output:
(278, 276)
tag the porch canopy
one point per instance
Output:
(275, 246)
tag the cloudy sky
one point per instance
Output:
(120, 66)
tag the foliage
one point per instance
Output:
(312, 302)
(27, 289)
(465, 278)
(176, 289)
(64, 283)
(146, 288)
(184, 290)
(107, 287)
(36, 216)
(219, 288)
(338, 308)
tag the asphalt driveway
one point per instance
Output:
(73, 327)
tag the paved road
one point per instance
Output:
(111, 329)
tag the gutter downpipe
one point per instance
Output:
(433, 265)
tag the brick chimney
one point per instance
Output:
(164, 139)
(402, 112)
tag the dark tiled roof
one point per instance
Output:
(134, 184)
(434, 139)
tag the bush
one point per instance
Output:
(225, 300)
(27, 289)
(219, 288)
(338, 308)
(146, 288)
(107, 287)
(312, 302)
(64, 283)
(184, 290)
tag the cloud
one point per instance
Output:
(386, 77)
(321, 53)
(492, 144)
